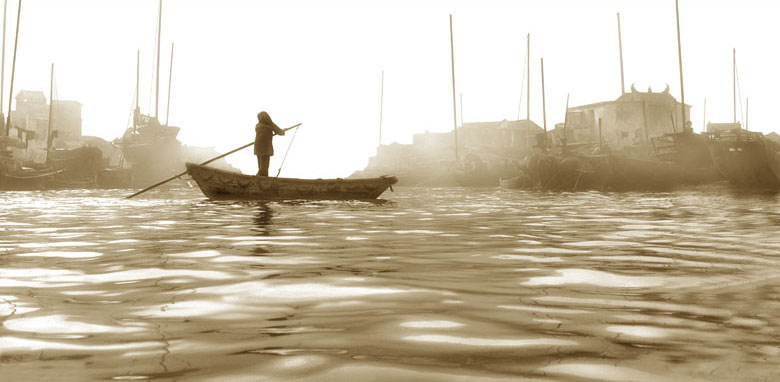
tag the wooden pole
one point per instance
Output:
(51, 109)
(528, 65)
(170, 77)
(462, 121)
(566, 120)
(734, 83)
(679, 54)
(454, 104)
(381, 107)
(620, 46)
(747, 112)
(137, 80)
(13, 70)
(544, 108)
(2, 65)
(704, 118)
(644, 119)
(157, 86)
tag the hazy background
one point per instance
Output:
(321, 64)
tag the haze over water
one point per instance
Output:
(442, 284)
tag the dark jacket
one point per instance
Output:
(264, 133)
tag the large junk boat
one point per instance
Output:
(227, 185)
(745, 159)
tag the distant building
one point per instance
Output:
(632, 118)
(500, 135)
(30, 123)
(723, 127)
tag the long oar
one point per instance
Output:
(202, 164)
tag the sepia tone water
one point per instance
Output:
(433, 285)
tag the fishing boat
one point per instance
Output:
(13, 177)
(226, 185)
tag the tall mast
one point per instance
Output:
(2, 65)
(381, 106)
(620, 46)
(462, 121)
(454, 103)
(137, 76)
(51, 109)
(565, 119)
(734, 83)
(679, 53)
(704, 118)
(528, 65)
(747, 112)
(157, 86)
(170, 77)
(13, 69)
(544, 108)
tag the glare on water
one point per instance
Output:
(445, 284)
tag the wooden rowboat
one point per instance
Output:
(226, 185)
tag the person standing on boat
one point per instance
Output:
(264, 148)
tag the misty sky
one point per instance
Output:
(321, 63)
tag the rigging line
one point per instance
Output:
(522, 86)
(132, 107)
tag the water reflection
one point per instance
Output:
(262, 218)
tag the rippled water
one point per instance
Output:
(435, 284)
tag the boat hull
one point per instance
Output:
(746, 159)
(225, 185)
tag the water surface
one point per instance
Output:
(445, 284)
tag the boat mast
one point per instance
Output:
(528, 65)
(170, 77)
(704, 118)
(381, 106)
(620, 47)
(13, 70)
(462, 121)
(157, 86)
(2, 65)
(137, 82)
(565, 120)
(51, 109)
(454, 103)
(679, 53)
(544, 108)
(747, 112)
(734, 82)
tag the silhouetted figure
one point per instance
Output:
(264, 148)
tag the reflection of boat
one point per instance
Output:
(745, 158)
(226, 185)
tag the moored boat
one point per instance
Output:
(745, 158)
(227, 185)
